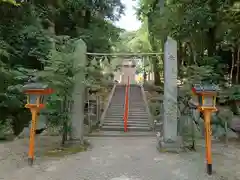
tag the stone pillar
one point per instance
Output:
(77, 119)
(170, 126)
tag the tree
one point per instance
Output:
(34, 38)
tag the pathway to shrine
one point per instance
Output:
(130, 158)
(121, 158)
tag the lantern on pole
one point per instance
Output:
(204, 96)
(36, 100)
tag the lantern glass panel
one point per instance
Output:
(42, 99)
(33, 99)
(208, 101)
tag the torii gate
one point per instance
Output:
(128, 65)
(171, 138)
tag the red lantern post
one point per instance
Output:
(36, 96)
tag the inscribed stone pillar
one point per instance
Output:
(77, 119)
(170, 92)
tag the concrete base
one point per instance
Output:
(169, 145)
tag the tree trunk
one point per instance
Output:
(65, 132)
(184, 60)
(232, 68)
(155, 60)
(180, 55)
(211, 42)
(193, 54)
(235, 74)
(157, 80)
(238, 63)
(87, 19)
(212, 31)
(64, 110)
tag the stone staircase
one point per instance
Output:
(138, 119)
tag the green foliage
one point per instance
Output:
(5, 128)
(36, 44)
(202, 29)
(234, 92)
(11, 2)
(231, 95)
(198, 74)
(225, 115)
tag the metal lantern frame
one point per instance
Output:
(36, 94)
(205, 96)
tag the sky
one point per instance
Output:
(129, 20)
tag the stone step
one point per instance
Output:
(116, 107)
(137, 120)
(120, 109)
(114, 113)
(121, 128)
(129, 113)
(137, 106)
(137, 110)
(143, 111)
(129, 116)
(130, 107)
(129, 125)
(130, 122)
(116, 104)
(137, 117)
(112, 118)
(122, 134)
(107, 119)
(136, 101)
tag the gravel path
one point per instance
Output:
(129, 159)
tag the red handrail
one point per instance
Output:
(125, 117)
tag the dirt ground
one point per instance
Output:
(14, 155)
(226, 159)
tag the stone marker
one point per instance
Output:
(170, 139)
(77, 119)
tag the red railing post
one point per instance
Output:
(125, 118)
